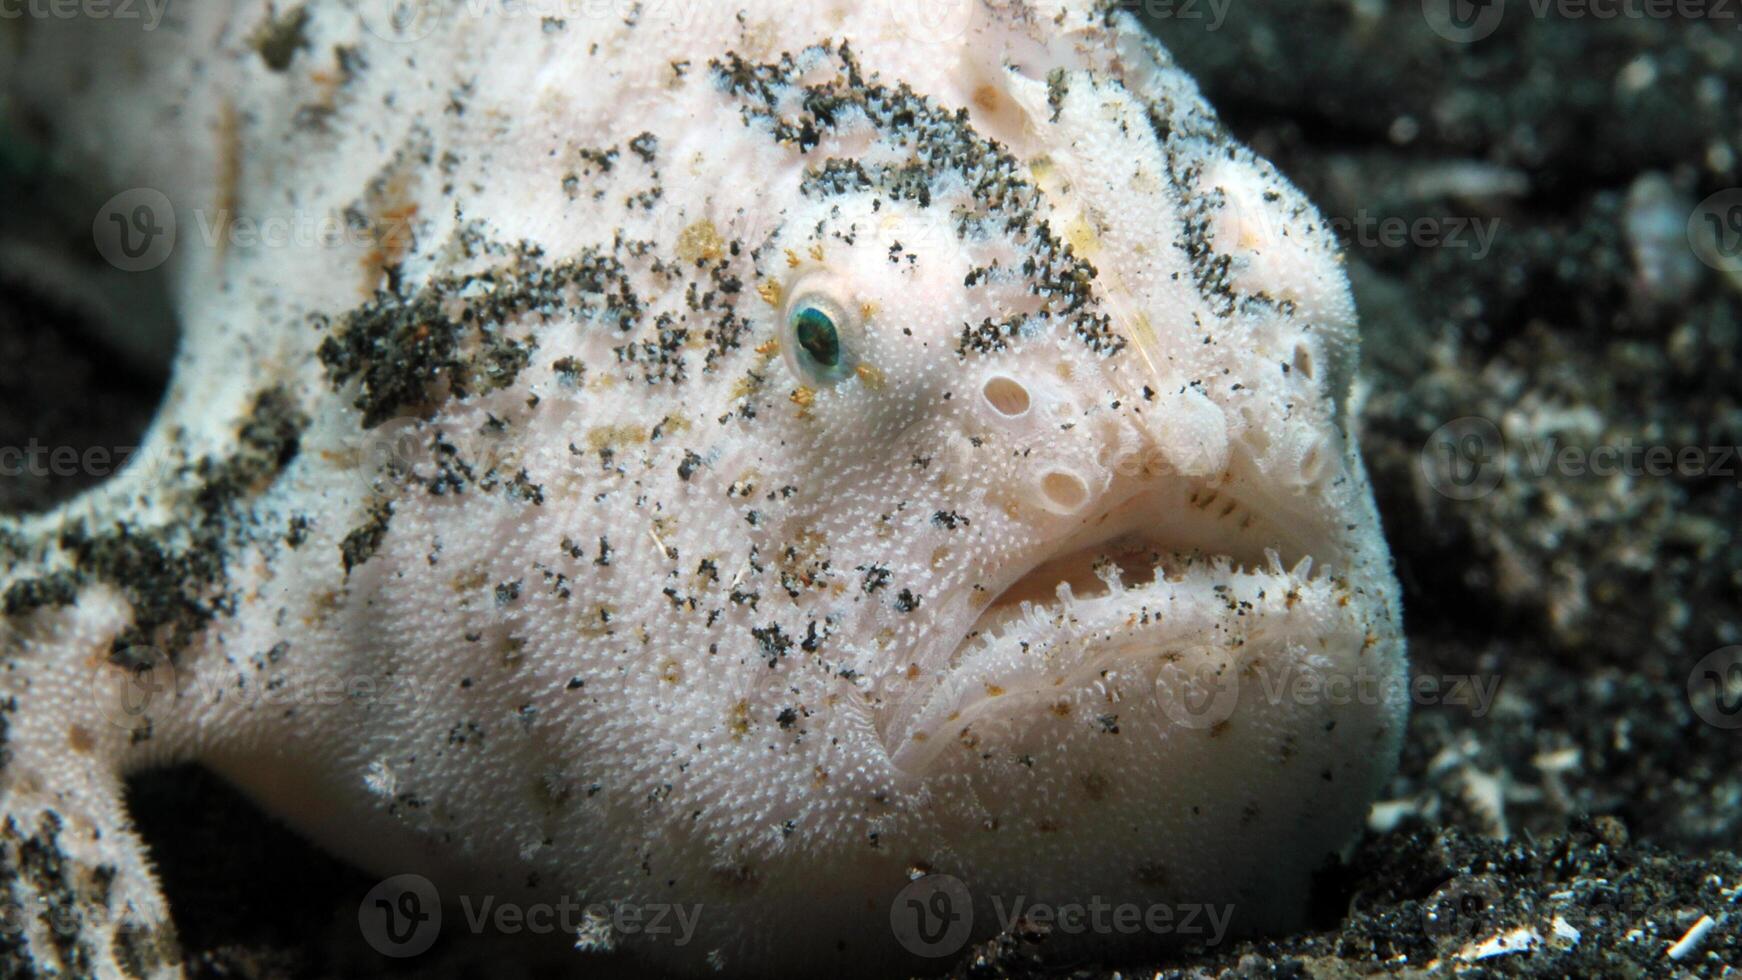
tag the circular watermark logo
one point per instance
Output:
(133, 687)
(398, 445)
(400, 21)
(1463, 21)
(932, 916)
(1465, 458)
(134, 231)
(1461, 911)
(933, 21)
(1198, 696)
(1715, 688)
(401, 916)
(1715, 230)
(1245, 222)
(14, 919)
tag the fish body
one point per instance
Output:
(708, 456)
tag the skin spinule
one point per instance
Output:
(714, 457)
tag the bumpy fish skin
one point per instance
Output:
(509, 538)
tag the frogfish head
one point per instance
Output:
(1066, 377)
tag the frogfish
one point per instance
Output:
(743, 458)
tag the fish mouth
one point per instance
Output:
(1166, 589)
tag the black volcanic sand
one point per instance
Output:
(1591, 797)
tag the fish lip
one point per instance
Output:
(1283, 562)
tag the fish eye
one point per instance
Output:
(818, 338)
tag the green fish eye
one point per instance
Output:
(818, 338)
(817, 335)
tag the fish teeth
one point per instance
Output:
(1111, 575)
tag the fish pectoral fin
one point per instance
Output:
(79, 895)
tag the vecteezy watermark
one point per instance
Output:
(139, 685)
(1197, 920)
(1468, 457)
(1210, 14)
(400, 20)
(58, 918)
(1465, 458)
(1463, 21)
(137, 230)
(934, 916)
(1715, 230)
(1461, 911)
(402, 917)
(1452, 232)
(300, 229)
(34, 459)
(1249, 217)
(668, 921)
(148, 12)
(405, 21)
(1205, 694)
(933, 21)
(1715, 688)
(1469, 21)
(134, 231)
(1199, 696)
(147, 467)
(133, 684)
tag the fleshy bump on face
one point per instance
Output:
(790, 454)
